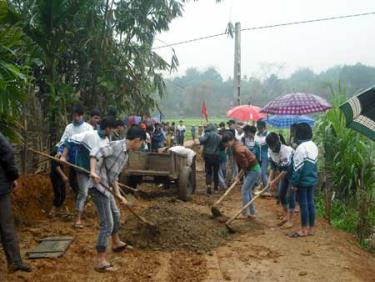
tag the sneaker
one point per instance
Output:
(19, 267)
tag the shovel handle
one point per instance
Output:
(87, 172)
(229, 221)
(228, 190)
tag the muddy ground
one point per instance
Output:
(191, 245)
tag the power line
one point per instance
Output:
(267, 27)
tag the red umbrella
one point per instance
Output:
(245, 113)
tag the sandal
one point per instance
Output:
(105, 268)
(122, 248)
(297, 235)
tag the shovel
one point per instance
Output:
(229, 221)
(152, 226)
(214, 209)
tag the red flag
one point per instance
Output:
(204, 111)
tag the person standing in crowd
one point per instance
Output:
(248, 163)
(181, 129)
(223, 160)
(94, 118)
(60, 182)
(211, 141)
(232, 162)
(85, 143)
(249, 140)
(221, 128)
(106, 164)
(305, 177)
(173, 130)
(77, 126)
(157, 138)
(193, 133)
(119, 131)
(260, 139)
(281, 164)
(8, 183)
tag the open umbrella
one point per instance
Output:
(296, 104)
(279, 121)
(359, 112)
(246, 113)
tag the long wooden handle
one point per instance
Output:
(75, 166)
(228, 190)
(229, 221)
(87, 172)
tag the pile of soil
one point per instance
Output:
(32, 199)
(181, 228)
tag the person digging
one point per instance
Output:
(247, 162)
(106, 163)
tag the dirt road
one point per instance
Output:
(199, 248)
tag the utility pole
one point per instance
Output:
(237, 65)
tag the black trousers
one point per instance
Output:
(212, 165)
(8, 233)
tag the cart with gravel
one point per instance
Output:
(169, 169)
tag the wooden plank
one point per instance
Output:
(147, 172)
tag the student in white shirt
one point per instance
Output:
(87, 143)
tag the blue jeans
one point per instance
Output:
(264, 172)
(306, 202)
(222, 174)
(83, 181)
(109, 218)
(287, 196)
(250, 180)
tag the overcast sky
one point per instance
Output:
(316, 45)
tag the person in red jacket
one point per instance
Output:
(8, 183)
(248, 163)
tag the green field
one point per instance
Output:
(189, 122)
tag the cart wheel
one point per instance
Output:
(185, 184)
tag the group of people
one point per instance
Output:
(269, 163)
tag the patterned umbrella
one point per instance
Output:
(296, 104)
(359, 112)
(246, 113)
(286, 121)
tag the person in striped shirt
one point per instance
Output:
(106, 164)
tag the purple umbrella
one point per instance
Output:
(296, 104)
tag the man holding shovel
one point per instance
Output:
(247, 161)
(106, 163)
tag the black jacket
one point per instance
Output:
(210, 141)
(8, 169)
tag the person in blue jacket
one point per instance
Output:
(305, 177)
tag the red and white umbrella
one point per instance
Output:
(246, 113)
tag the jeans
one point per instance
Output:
(8, 232)
(250, 180)
(306, 202)
(109, 218)
(264, 172)
(222, 174)
(212, 165)
(83, 190)
(287, 196)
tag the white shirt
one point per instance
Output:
(239, 136)
(307, 151)
(184, 151)
(90, 140)
(71, 130)
(282, 158)
(181, 128)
